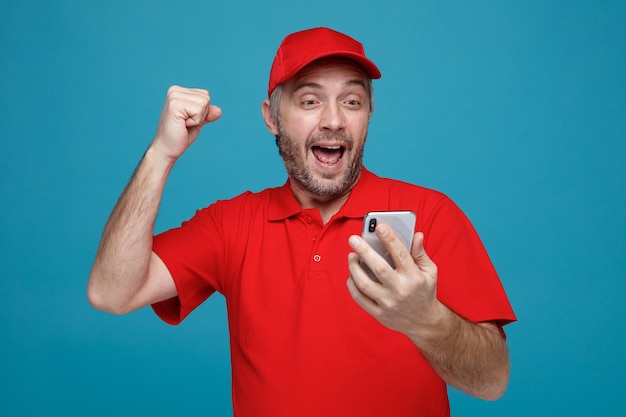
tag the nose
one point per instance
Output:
(332, 118)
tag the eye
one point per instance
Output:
(308, 101)
(353, 103)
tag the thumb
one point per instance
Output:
(198, 120)
(421, 258)
(214, 113)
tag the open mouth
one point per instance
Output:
(328, 154)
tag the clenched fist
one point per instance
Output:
(185, 112)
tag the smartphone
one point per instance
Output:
(402, 223)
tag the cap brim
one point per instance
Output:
(370, 68)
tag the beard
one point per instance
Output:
(326, 187)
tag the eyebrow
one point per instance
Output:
(316, 86)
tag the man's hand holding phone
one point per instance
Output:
(405, 296)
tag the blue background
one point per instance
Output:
(515, 109)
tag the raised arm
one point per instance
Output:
(126, 274)
(472, 357)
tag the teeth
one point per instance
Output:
(334, 148)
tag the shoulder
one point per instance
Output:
(252, 204)
(432, 207)
(397, 192)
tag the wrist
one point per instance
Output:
(159, 160)
(438, 331)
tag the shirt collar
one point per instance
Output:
(283, 203)
(367, 195)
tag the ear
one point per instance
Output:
(270, 123)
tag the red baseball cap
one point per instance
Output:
(301, 48)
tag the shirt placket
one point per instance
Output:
(316, 267)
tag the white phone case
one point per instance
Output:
(402, 223)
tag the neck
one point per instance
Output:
(327, 207)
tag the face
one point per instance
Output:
(322, 126)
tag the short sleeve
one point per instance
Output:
(192, 253)
(467, 280)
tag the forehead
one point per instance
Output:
(328, 71)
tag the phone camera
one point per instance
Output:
(372, 226)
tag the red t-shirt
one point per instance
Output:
(300, 345)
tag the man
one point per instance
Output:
(303, 342)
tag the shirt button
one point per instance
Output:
(317, 258)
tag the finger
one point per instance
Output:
(376, 263)
(358, 283)
(192, 105)
(198, 95)
(399, 253)
(207, 112)
(421, 258)
(361, 278)
(196, 109)
(362, 300)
